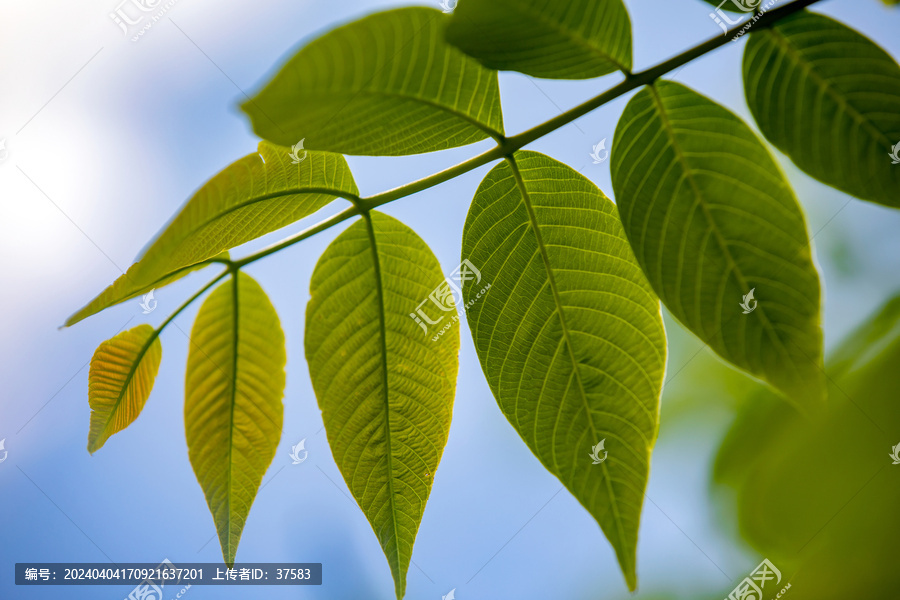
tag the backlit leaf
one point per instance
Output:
(256, 195)
(571, 39)
(828, 98)
(121, 377)
(819, 496)
(387, 84)
(384, 386)
(711, 218)
(569, 335)
(232, 409)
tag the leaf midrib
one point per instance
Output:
(520, 183)
(234, 375)
(379, 286)
(701, 201)
(270, 196)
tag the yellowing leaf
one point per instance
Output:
(385, 85)
(384, 386)
(120, 380)
(256, 195)
(232, 409)
(569, 335)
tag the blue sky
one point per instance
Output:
(107, 138)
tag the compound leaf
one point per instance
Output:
(714, 224)
(256, 195)
(121, 377)
(827, 97)
(569, 335)
(385, 388)
(576, 39)
(386, 85)
(233, 393)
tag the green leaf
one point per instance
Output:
(569, 335)
(827, 97)
(256, 195)
(385, 388)
(819, 497)
(121, 377)
(711, 218)
(386, 85)
(575, 39)
(232, 409)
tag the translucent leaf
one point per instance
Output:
(121, 377)
(232, 409)
(719, 233)
(828, 98)
(569, 335)
(819, 496)
(256, 195)
(387, 84)
(570, 39)
(384, 386)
